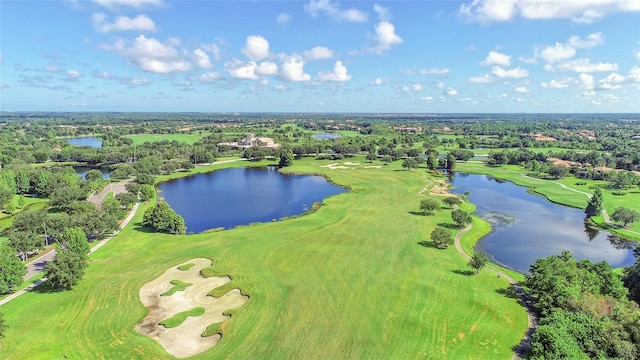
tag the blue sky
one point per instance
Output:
(320, 56)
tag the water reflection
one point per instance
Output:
(536, 227)
(241, 196)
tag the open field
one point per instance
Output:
(348, 281)
(551, 190)
(139, 139)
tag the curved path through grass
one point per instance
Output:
(350, 280)
(37, 266)
(605, 215)
(524, 346)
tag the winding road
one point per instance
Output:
(37, 266)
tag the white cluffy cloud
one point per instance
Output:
(339, 73)
(335, 11)
(251, 70)
(122, 23)
(319, 53)
(515, 73)
(292, 69)
(151, 55)
(558, 52)
(565, 51)
(201, 59)
(384, 38)
(579, 11)
(256, 48)
(581, 66)
(496, 58)
(481, 79)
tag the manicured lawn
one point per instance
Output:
(139, 139)
(348, 281)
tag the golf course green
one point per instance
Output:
(349, 280)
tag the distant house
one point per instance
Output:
(252, 141)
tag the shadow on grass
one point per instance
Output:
(464, 272)
(142, 228)
(420, 213)
(509, 292)
(428, 244)
(450, 226)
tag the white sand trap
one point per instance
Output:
(334, 166)
(351, 163)
(185, 340)
(372, 166)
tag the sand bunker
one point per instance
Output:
(185, 339)
(335, 166)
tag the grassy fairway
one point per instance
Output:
(139, 139)
(348, 281)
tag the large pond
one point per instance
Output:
(92, 141)
(527, 226)
(240, 196)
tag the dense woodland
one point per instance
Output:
(587, 310)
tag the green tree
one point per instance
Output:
(409, 163)
(6, 195)
(594, 206)
(10, 208)
(478, 261)
(75, 240)
(451, 201)
(432, 162)
(162, 218)
(145, 179)
(24, 242)
(11, 269)
(65, 271)
(441, 237)
(461, 217)
(147, 192)
(63, 197)
(286, 157)
(429, 205)
(93, 175)
(126, 199)
(20, 202)
(67, 268)
(22, 182)
(624, 215)
(451, 162)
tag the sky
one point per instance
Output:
(470, 56)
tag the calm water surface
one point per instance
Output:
(326, 136)
(527, 226)
(94, 142)
(240, 196)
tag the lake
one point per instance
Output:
(527, 226)
(91, 141)
(326, 136)
(241, 196)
